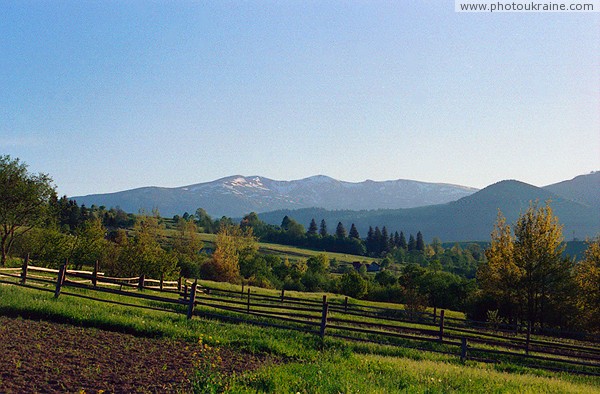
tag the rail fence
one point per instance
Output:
(325, 318)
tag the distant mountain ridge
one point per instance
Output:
(238, 195)
(470, 218)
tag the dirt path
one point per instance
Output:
(44, 357)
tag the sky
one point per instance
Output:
(112, 95)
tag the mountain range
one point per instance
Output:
(238, 195)
(450, 212)
(470, 218)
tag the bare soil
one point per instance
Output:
(47, 357)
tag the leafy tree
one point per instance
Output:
(588, 280)
(233, 248)
(312, 228)
(143, 255)
(24, 199)
(353, 285)
(353, 232)
(89, 243)
(500, 276)
(204, 221)
(340, 231)
(318, 264)
(530, 265)
(48, 246)
(187, 246)
(386, 278)
(323, 228)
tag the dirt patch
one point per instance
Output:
(45, 357)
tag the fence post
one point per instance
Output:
(162, 278)
(463, 349)
(185, 292)
(282, 294)
(442, 325)
(248, 308)
(528, 337)
(179, 284)
(60, 279)
(24, 269)
(192, 301)
(95, 274)
(141, 282)
(346, 305)
(324, 316)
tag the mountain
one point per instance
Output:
(584, 189)
(470, 218)
(236, 196)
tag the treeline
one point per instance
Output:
(393, 248)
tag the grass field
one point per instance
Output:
(310, 365)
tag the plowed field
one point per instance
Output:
(46, 357)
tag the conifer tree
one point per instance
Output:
(402, 241)
(323, 228)
(340, 231)
(420, 243)
(353, 232)
(385, 240)
(412, 244)
(312, 228)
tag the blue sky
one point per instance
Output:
(111, 95)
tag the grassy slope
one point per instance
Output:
(340, 367)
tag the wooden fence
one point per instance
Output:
(325, 318)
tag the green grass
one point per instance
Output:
(312, 365)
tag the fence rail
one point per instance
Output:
(348, 321)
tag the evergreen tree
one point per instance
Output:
(370, 243)
(285, 223)
(312, 228)
(396, 239)
(385, 240)
(420, 243)
(402, 241)
(353, 232)
(412, 244)
(340, 231)
(377, 241)
(323, 228)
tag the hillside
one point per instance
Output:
(584, 189)
(470, 218)
(239, 195)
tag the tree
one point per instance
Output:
(529, 266)
(420, 243)
(89, 243)
(318, 264)
(353, 285)
(340, 231)
(412, 244)
(402, 241)
(187, 246)
(323, 228)
(233, 247)
(24, 199)
(312, 228)
(587, 278)
(204, 221)
(353, 232)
